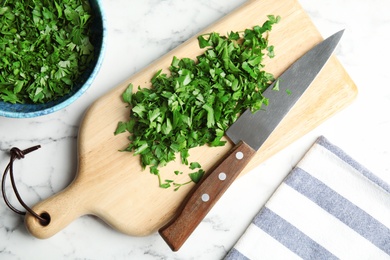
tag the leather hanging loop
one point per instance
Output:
(16, 153)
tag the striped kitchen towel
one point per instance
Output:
(328, 207)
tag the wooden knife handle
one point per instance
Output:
(204, 195)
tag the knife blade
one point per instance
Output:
(248, 134)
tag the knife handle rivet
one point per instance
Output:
(205, 197)
(239, 155)
(222, 176)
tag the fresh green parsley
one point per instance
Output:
(44, 46)
(196, 103)
(276, 85)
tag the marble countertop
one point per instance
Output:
(139, 32)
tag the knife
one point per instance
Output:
(248, 134)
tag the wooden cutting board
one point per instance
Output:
(111, 184)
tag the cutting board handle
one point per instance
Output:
(61, 209)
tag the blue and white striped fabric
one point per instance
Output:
(328, 207)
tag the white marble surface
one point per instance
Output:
(138, 33)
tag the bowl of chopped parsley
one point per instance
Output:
(51, 51)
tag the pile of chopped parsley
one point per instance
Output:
(44, 46)
(196, 103)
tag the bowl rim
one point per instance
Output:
(66, 102)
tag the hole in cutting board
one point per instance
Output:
(47, 217)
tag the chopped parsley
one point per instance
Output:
(196, 103)
(44, 46)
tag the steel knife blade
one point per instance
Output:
(248, 134)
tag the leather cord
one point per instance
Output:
(16, 153)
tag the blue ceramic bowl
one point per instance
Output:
(86, 79)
